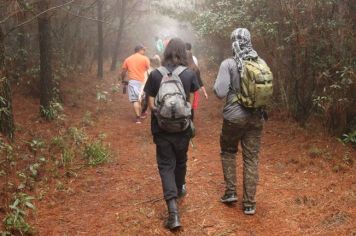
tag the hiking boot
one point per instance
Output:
(138, 121)
(249, 210)
(229, 198)
(182, 191)
(173, 221)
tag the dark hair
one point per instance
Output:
(188, 46)
(175, 53)
(139, 48)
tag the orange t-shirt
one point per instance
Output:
(136, 65)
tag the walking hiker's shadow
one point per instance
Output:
(230, 204)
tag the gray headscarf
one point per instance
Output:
(242, 46)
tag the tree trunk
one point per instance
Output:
(21, 40)
(100, 40)
(343, 12)
(117, 43)
(46, 75)
(352, 9)
(7, 126)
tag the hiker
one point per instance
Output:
(159, 46)
(195, 68)
(135, 67)
(166, 40)
(155, 62)
(243, 121)
(170, 122)
(188, 47)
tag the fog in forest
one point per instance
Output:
(76, 160)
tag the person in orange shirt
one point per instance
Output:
(133, 75)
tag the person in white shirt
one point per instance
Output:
(188, 47)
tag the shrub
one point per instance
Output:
(349, 138)
(58, 142)
(315, 152)
(36, 144)
(52, 112)
(78, 135)
(102, 96)
(15, 221)
(88, 119)
(96, 153)
(67, 157)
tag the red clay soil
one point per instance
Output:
(301, 191)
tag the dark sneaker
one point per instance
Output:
(144, 115)
(249, 210)
(229, 198)
(182, 191)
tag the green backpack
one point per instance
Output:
(256, 84)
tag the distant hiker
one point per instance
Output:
(155, 62)
(195, 68)
(188, 46)
(170, 89)
(136, 66)
(166, 41)
(243, 115)
(159, 46)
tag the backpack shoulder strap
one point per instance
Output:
(163, 70)
(231, 86)
(179, 70)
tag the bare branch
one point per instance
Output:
(85, 17)
(8, 17)
(39, 14)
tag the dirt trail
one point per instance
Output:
(297, 195)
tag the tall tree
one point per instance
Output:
(6, 116)
(121, 5)
(100, 40)
(46, 74)
(21, 42)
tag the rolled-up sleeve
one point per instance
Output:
(222, 82)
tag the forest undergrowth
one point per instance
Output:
(93, 158)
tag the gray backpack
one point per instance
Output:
(173, 110)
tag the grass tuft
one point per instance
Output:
(96, 153)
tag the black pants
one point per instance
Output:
(172, 161)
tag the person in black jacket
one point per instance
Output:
(195, 68)
(172, 148)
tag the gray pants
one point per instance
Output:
(134, 89)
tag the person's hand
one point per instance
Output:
(206, 95)
(204, 92)
(154, 110)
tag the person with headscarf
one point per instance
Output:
(240, 124)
